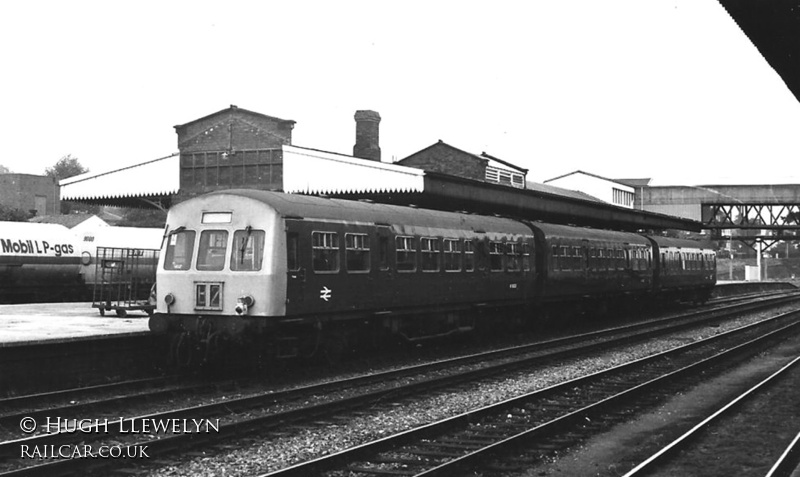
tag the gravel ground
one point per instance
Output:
(261, 456)
(737, 447)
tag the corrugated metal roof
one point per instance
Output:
(158, 177)
(309, 171)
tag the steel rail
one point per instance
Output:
(788, 461)
(470, 458)
(649, 464)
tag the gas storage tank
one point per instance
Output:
(39, 263)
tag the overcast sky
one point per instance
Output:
(666, 89)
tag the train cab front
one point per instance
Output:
(215, 277)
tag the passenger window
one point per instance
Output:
(292, 252)
(179, 250)
(211, 253)
(248, 251)
(357, 252)
(496, 256)
(452, 255)
(325, 251)
(469, 256)
(406, 254)
(526, 256)
(430, 254)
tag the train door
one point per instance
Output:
(296, 265)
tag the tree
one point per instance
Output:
(67, 166)
(4, 169)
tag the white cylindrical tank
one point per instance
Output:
(38, 262)
(138, 238)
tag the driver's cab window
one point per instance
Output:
(211, 253)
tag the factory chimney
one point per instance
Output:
(367, 144)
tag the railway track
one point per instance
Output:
(276, 412)
(768, 404)
(544, 421)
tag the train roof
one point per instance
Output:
(680, 242)
(567, 231)
(302, 206)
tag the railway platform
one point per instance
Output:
(63, 321)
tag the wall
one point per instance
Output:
(20, 191)
(448, 160)
(232, 148)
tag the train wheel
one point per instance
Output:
(182, 350)
(122, 313)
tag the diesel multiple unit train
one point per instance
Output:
(297, 274)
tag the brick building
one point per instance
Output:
(447, 159)
(232, 148)
(29, 192)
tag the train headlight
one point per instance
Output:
(243, 304)
(169, 299)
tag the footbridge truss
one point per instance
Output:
(753, 214)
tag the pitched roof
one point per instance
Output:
(483, 157)
(574, 194)
(233, 107)
(586, 174)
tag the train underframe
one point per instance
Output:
(199, 339)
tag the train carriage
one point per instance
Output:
(296, 270)
(685, 269)
(260, 260)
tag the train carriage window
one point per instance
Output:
(406, 254)
(211, 252)
(179, 250)
(566, 261)
(556, 259)
(496, 256)
(452, 255)
(292, 252)
(469, 256)
(429, 247)
(357, 252)
(248, 250)
(325, 251)
(513, 257)
(526, 256)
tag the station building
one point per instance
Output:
(238, 148)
